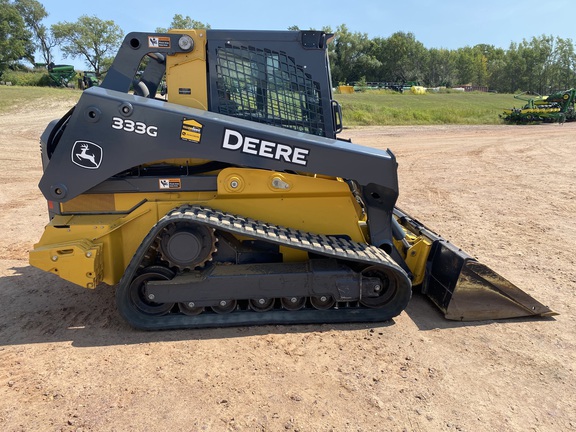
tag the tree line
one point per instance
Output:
(541, 65)
(23, 34)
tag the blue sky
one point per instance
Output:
(437, 24)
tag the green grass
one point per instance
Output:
(13, 98)
(370, 108)
(374, 108)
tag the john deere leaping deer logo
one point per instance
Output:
(87, 154)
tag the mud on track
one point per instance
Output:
(505, 194)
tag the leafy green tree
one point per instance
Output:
(440, 69)
(539, 53)
(514, 69)
(530, 65)
(564, 71)
(403, 58)
(554, 60)
(350, 56)
(183, 23)
(33, 13)
(471, 66)
(494, 61)
(90, 38)
(15, 39)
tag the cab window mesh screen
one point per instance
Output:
(268, 87)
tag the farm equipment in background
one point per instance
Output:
(556, 107)
(232, 201)
(399, 87)
(87, 80)
(61, 74)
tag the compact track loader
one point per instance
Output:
(230, 201)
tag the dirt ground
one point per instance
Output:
(505, 194)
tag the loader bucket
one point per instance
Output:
(466, 290)
(463, 288)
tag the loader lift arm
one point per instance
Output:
(103, 118)
(108, 113)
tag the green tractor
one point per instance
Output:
(557, 107)
(88, 79)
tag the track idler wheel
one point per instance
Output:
(382, 290)
(138, 297)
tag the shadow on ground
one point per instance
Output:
(40, 308)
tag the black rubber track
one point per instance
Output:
(334, 247)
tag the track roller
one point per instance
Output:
(261, 304)
(293, 303)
